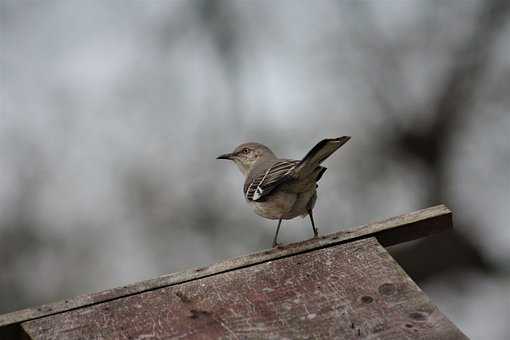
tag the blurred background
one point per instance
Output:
(112, 114)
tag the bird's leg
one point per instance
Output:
(315, 230)
(275, 239)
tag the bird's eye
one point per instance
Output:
(245, 151)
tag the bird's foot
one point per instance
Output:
(277, 245)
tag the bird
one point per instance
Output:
(282, 189)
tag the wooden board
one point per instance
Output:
(398, 229)
(350, 291)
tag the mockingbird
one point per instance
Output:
(281, 189)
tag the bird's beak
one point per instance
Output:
(225, 156)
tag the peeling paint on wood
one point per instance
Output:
(388, 232)
(351, 291)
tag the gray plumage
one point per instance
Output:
(282, 188)
(267, 175)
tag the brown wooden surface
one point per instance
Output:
(388, 232)
(351, 291)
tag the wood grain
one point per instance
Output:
(391, 231)
(351, 291)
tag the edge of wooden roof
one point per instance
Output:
(388, 232)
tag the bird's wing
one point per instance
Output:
(265, 181)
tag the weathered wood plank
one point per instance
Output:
(391, 231)
(349, 291)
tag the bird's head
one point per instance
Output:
(246, 155)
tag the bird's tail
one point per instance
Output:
(318, 154)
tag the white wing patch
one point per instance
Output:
(257, 194)
(272, 177)
(259, 191)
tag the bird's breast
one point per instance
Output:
(277, 205)
(285, 205)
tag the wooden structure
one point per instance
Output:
(344, 285)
